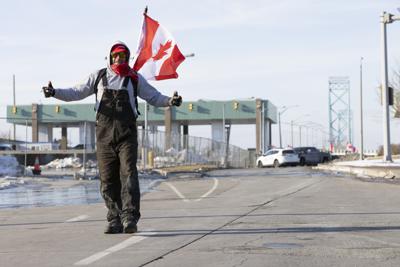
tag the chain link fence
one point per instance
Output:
(187, 150)
(156, 149)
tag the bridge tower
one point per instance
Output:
(340, 117)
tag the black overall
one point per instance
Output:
(116, 135)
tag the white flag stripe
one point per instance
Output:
(158, 57)
(152, 67)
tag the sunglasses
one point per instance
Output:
(121, 55)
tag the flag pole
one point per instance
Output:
(145, 122)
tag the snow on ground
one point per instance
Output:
(174, 157)
(70, 162)
(370, 163)
(8, 182)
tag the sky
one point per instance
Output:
(284, 51)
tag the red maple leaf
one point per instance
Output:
(162, 50)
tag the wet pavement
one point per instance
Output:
(64, 190)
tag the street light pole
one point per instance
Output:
(292, 122)
(387, 151)
(291, 130)
(280, 130)
(14, 128)
(279, 122)
(262, 129)
(300, 135)
(361, 114)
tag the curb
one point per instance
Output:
(373, 172)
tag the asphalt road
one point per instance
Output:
(256, 217)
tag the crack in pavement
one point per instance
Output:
(283, 194)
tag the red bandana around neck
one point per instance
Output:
(122, 69)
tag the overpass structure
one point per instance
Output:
(177, 120)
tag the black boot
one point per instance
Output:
(114, 227)
(130, 226)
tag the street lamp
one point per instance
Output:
(284, 108)
(386, 18)
(291, 127)
(320, 127)
(313, 126)
(361, 114)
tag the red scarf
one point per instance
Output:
(124, 70)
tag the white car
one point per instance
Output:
(278, 157)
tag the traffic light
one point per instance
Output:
(390, 96)
(14, 109)
(390, 100)
(235, 105)
(58, 109)
(190, 106)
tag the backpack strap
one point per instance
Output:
(134, 80)
(102, 75)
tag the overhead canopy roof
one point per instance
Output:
(199, 112)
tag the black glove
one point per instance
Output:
(48, 90)
(175, 100)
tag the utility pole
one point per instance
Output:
(262, 129)
(284, 108)
(299, 135)
(387, 150)
(280, 130)
(291, 130)
(84, 150)
(223, 123)
(14, 134)
(361, 114)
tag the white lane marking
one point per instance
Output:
(177, 192)
(151, 185)
(376, 240)
(198, 199)
(79, 218)
(209, 191)
(124, 244)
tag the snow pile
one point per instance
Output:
(370, 163)
(168, 160)
(188, 156)
(8, 182)
(175, 157)
(92, 164)
(164, 161)
(171, 152)
(9, 166)
(70, 162)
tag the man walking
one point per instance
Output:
(116, 88)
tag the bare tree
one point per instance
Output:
(394, 82)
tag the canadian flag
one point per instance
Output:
(158, 56)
